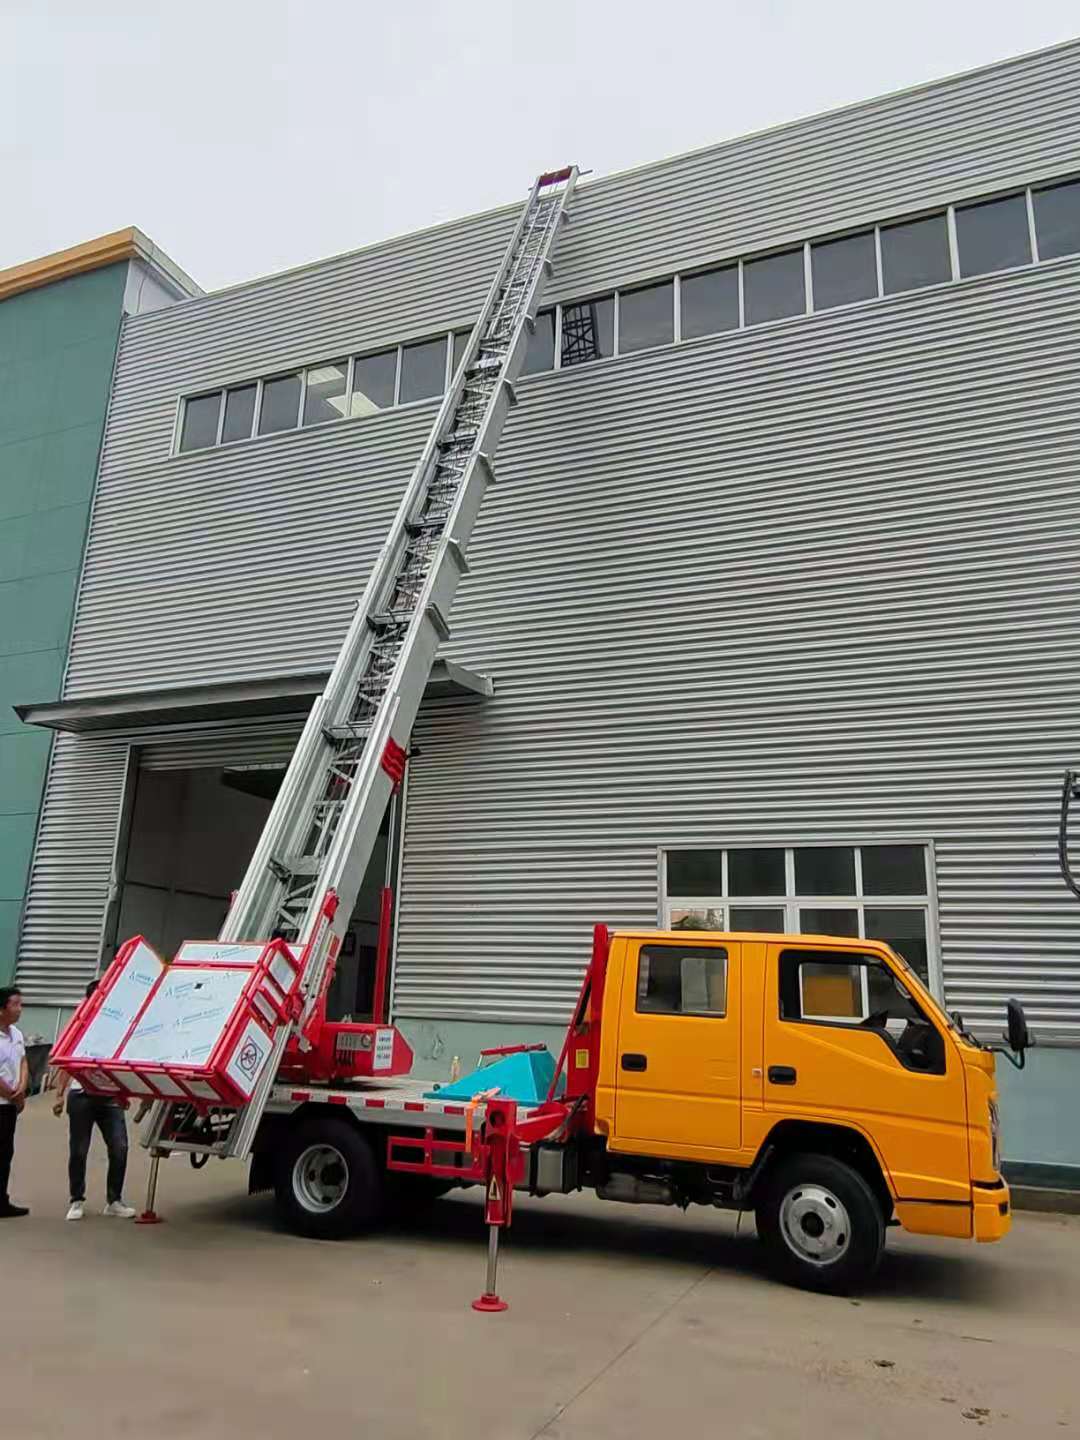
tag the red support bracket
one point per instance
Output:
(393, 761)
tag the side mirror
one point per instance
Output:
(1017, 1032)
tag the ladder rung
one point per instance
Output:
(337, 733)
(302, 864)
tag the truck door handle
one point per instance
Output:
(635, 1062)
(782, 1074)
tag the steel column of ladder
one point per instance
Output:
(322, 828)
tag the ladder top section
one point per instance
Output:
(554, 177)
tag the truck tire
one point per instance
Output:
(327, 1184)
(821, 1224)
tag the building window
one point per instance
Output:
(374, 381)
(423, 371)
(239, 413)
(1057, 220)
(993, 236)
(540, 351)
(844, 271)
(325, 392)
(876, 892)
(588, 331)
(200, 421)
(774, 286)
(709, 303)
(915, 254)
(646, 317)
(461, 340)
(280, 409)
(682, 980)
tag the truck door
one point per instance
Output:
(678, 1061)
(847, 1040)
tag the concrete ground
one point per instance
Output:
(624, 1322)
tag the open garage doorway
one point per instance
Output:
(190, 834)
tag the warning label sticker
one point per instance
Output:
(383, 1058)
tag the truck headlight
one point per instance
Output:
(995, 1136)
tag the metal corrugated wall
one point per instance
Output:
(809, 580)
(60, 941)
(179, 545)
(818, 582)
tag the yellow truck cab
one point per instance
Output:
(814, 1080)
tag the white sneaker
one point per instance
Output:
(118, 1210)
(75, 1210)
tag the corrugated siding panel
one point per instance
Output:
(818, 582)
(269, 745)
(71, 869)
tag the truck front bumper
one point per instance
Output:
(993, 1210)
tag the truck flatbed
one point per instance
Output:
(398, 1102)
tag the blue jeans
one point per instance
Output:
(84, 1112)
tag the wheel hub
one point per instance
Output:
(815, 1224)
(320, 1178)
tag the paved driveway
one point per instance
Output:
(625, 1322)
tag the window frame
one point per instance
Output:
(675, 319)
(944, 212)
(863, 960)
(1040, 187)
(791, 901)
(724, 953)
(694, 272)
(874, 234)
(181, 415)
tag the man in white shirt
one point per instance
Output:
(84, 1112)
(14, 1082)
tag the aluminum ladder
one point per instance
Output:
(323, 824)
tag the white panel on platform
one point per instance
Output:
(283, 972)
(187, 1017)
(208, 952)
(121, 1005)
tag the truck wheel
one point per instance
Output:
(327, 1184)
(821, 1224)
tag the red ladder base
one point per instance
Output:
(490, 1303)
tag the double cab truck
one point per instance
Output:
(814, 1081)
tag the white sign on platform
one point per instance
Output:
(249, 1057)
(383, 1058)
(121, 1005)
(221, 952)
(187, 1017)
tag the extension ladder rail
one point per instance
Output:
(304, 876)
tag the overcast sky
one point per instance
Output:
(245, 136)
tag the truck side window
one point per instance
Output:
(820, 987)
(682, 980)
